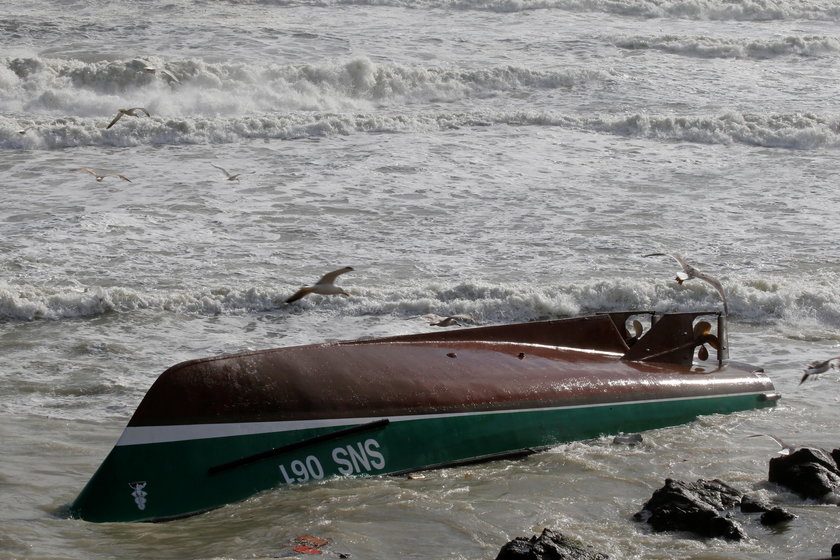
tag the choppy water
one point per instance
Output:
(508, 159)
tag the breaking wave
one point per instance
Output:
(723, 47)
(762, 10)
(69, 103)
(756, 301)
(193, 87)
(798, 131)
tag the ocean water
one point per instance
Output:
(509, 159)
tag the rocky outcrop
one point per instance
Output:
(776, 515)
(550, 545)
(770, 515)
(696, 507)
(753, 504)
(810, 472)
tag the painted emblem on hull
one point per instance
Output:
(139, 494)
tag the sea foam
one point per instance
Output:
(725, 47)
(73, 88)
(765, 10)
(753, 301)
(798, 131)
(69, 103)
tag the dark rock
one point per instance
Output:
(549, 545)
(751, 504)
(776, 515)
(695, 507)
(770, 515)
(835, 549)
(630, 439)
(809, 471)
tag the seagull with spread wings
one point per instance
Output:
(325, 286)
(786, 449)
(449, 321)
(99, 177)
(688, 272)
(168, 76)
(231, 176)
(818, 366)
(128, 113)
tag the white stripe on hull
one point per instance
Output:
(140, 435)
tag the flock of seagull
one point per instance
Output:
(326, 286)
(135, 112)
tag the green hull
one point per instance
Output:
(159, 481)
(216, 430)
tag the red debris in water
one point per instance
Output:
(306, 549)
(311, 540)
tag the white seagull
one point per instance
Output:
(688, 272)
(128, 113)
(100, 177)
(231, 176)
(166, 75)
(151, 69)
(786, 449)
(818, 366)
(325, 286)
(451, 320)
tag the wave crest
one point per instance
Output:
(753, 301)
(74, 88)
(722, 47)
(798, 131)
(764, 10)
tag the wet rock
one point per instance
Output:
(550, 545)
(695, 507)
(629, 439)
(810, 472)
(775, 516)
(770, 515)
(753, 504)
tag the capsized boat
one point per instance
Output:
(216, 430)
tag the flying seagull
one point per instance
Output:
(818, 366)
(128, 113)
(230, 176)
(100, 177)
(786, 449)
(631, 337)
(166, 75)
(324, 286)
(151, 69)
(688, 272)
(451, 320)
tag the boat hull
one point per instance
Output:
(214, 431)
(176, 484)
